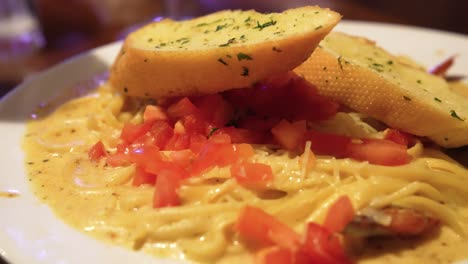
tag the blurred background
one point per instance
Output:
(36, 34)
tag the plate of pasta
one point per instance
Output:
(93, 173)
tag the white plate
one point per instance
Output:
(30, 233)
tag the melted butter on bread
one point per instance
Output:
(359, 74)
(217, 52)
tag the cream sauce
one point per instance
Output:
(101, 202)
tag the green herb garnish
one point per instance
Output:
(245, 71)
(455, 115)
(264, 25)
(229, 42)
(243, 56)
(222, 61)
(437, 100)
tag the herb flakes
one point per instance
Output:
(265, 25)
(222, 61)
(243, 56)
(245, 71)
(455, 115)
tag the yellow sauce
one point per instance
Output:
(91, 198)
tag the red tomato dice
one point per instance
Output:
(339, 215)
(290, 135)
(379, 151)
(97, 151)
(255, 175)
(274, 255)
(167, 184)
(143, 177)
(265, 230)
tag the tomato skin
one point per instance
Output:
(118, 159)
(167, 184)
(241, 135)
(215, 109)
(398, 137)
(379, 151)
(290, 135)
(274, 255)
(328, 144)
(244, 151)
(265, 230)
(97, 151)
(182, 108)
(131, 132)
(321, 246)
(195, 125)
(178, 142)
(257, 175)
(341, 212)
(143, 177)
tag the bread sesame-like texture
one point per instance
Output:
(357, 73)
(221, 51)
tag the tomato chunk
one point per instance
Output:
(265, 230)
(143, 177)
(248, 174)
(379, 151)
(130, 131)
(182, 108)
(339, 215)
(97, 151)
(274, 255)
(321, 246)
(290, 135)
(167, 184)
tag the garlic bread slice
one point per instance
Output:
(224, 50)
(357, 73)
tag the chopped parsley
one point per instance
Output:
(319, 27)
(265, 25)
(245, 71)
(276, 49)
(219, 27)
(389, 62)
(437, 100)
(455, 115)
(222, 61)
(406, 98)
(229, 42)
(339, 63)
(125, 90)
(419, 81)
(243, 56)
(212, 131)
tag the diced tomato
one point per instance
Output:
(215, 109)
(178, 142)
(321, 246)
(409, 222)
(144, 155)
(290, 135)
(339, 215)
(118, 159)
(398, 137)
(153, 113)
(274, 255)
(143, 177)
(182, 108)
(379, 151)
(131, 132)
(328, 144)
(182, 158)
(97, 151)
(255, 175)
(241, 135)
(220, 138)
(161, 132)
(257, 226)
(244, 151)
(167, 184)
(195, 124)
(214, 154)
(197, 142)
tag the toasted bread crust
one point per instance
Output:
(355, 72)
(235, 56)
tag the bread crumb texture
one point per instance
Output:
(224, 50)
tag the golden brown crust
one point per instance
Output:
(364, 77)
(191, 63)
